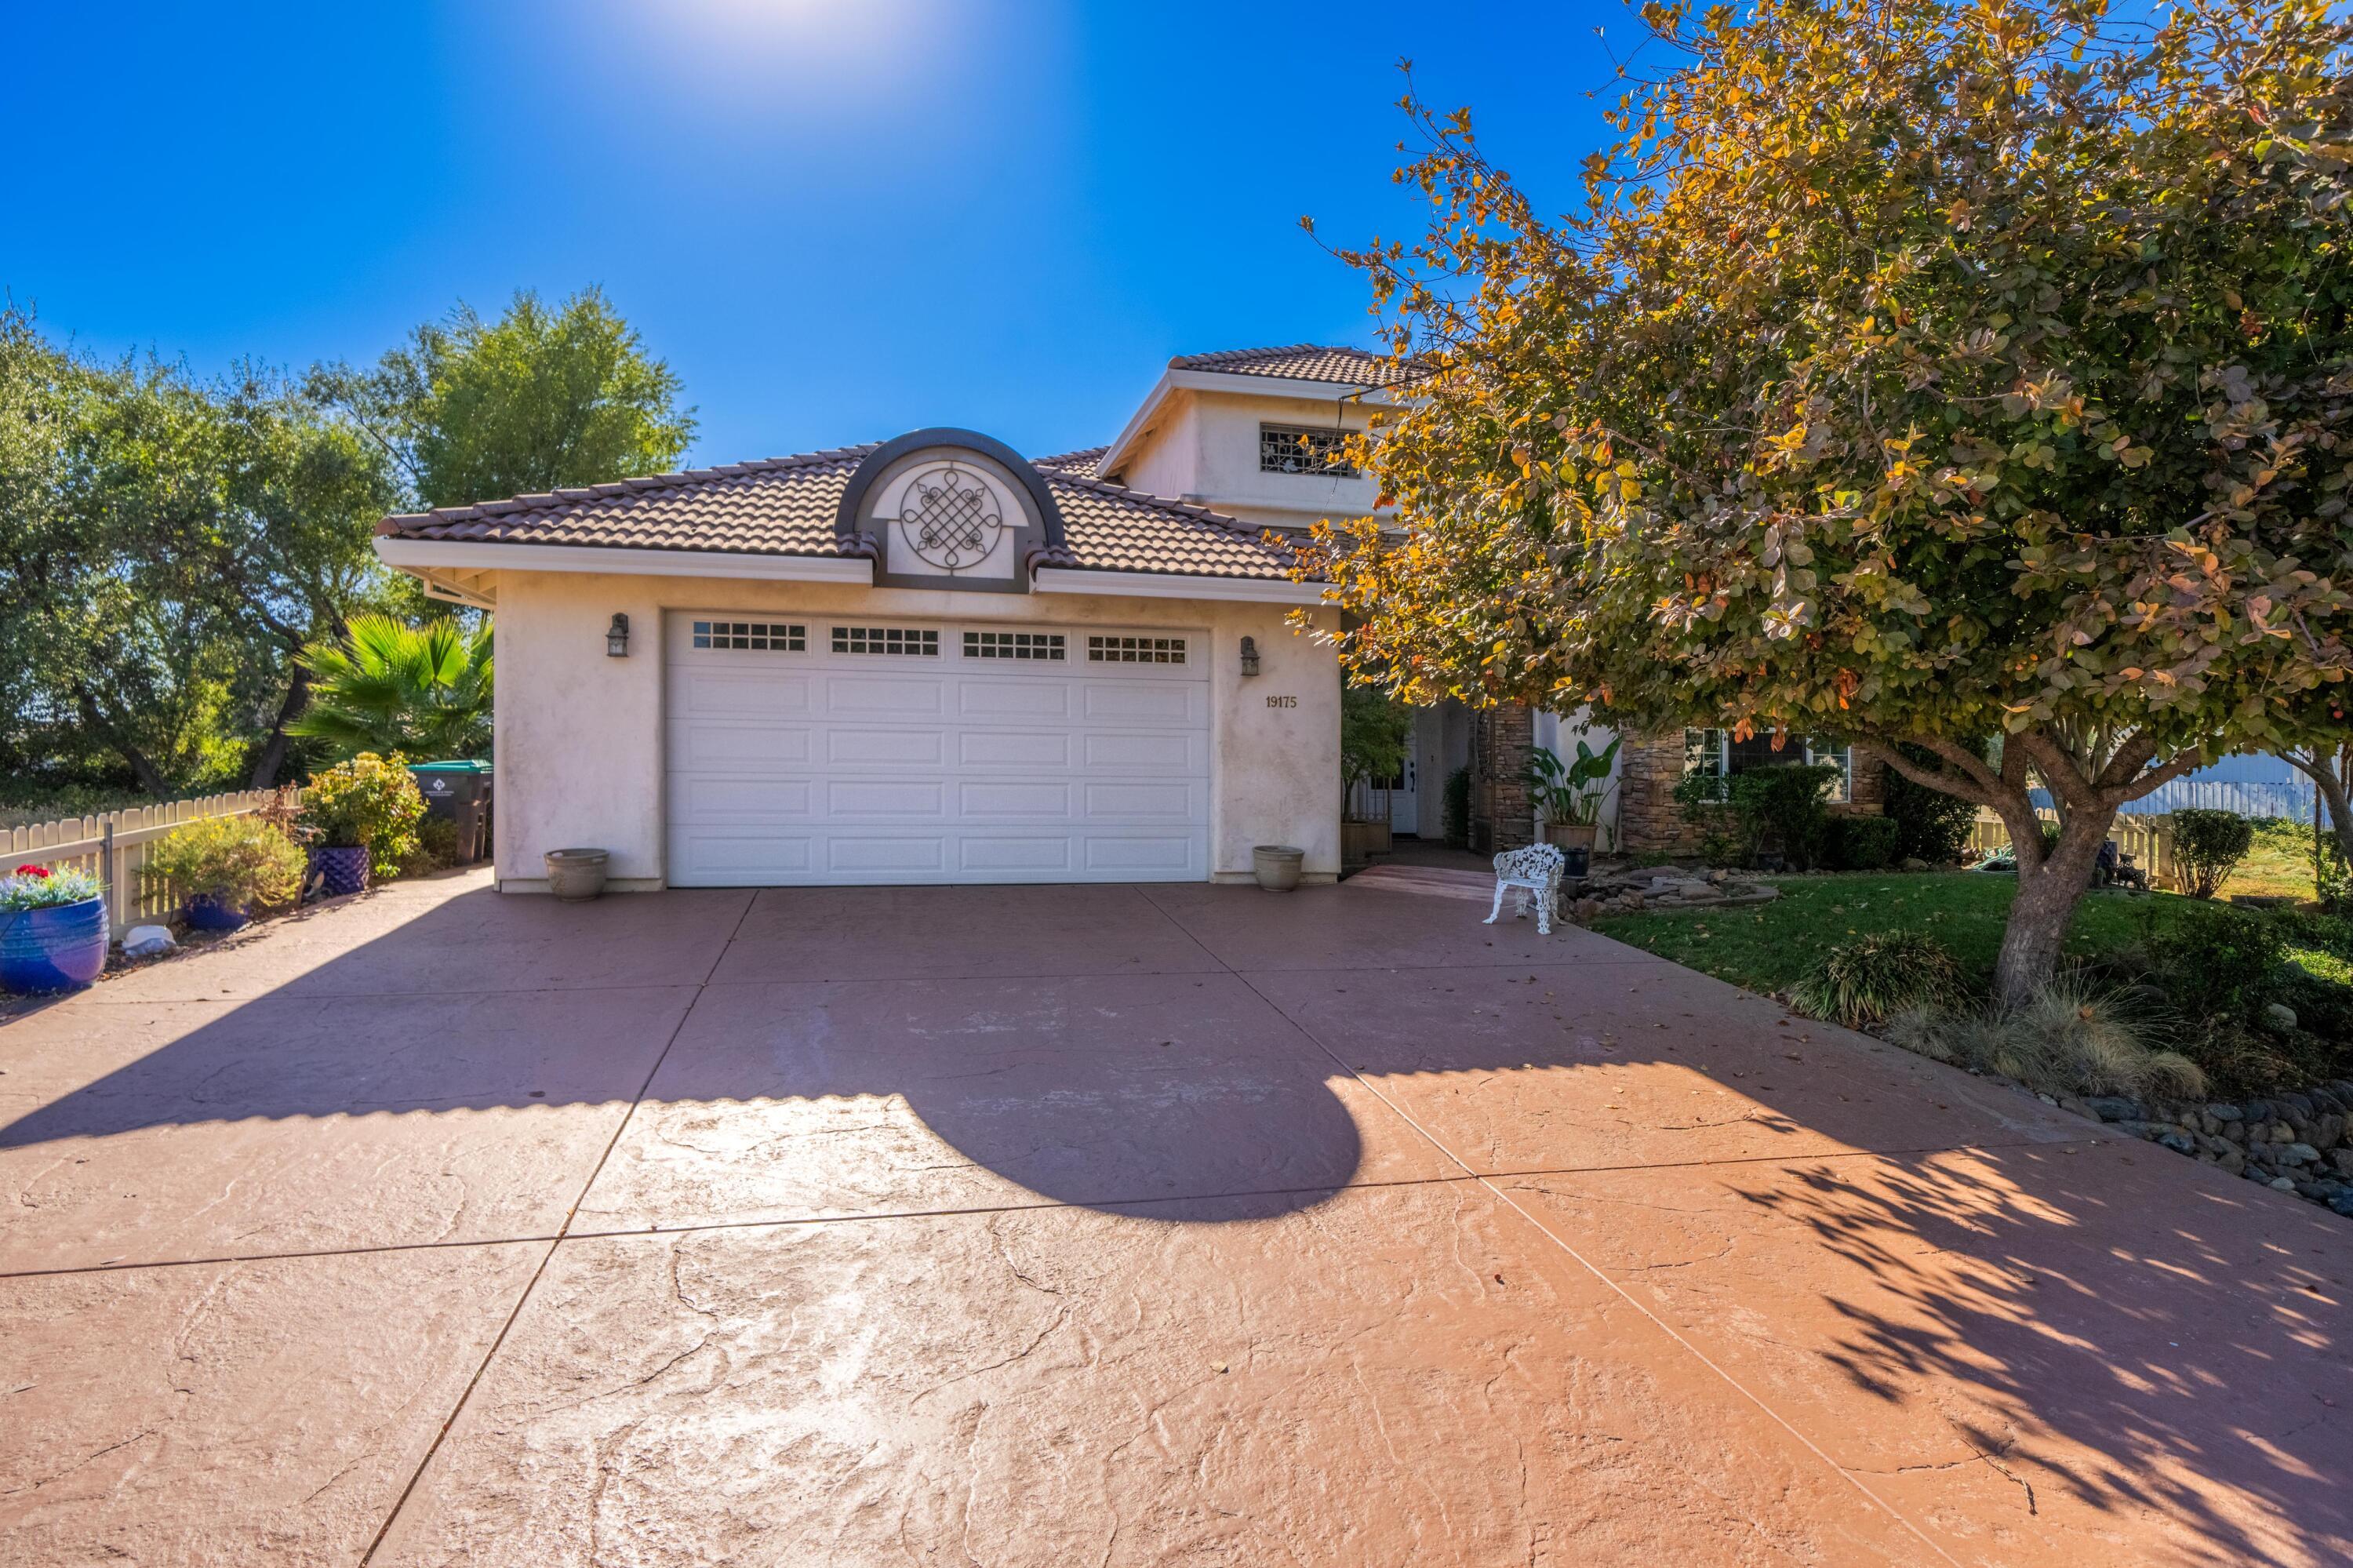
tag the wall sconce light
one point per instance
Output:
(617, 638)
(1249, 656)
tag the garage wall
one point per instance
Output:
(580, 735)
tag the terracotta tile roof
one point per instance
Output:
(1081, 464)
(1298, 362)
(787, 506)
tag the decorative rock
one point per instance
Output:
(2281, 1184)
(146, 941)
(2299, 1154)
(2313, 1191)
(2223, 1113)
(2342, 1202)
(2279, 1016)
(2114, 1107)
(2343, 1159)
(2181, 1142)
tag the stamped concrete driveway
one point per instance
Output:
(1102, 1226)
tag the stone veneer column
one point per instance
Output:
(1648, 768)
(1502, 816)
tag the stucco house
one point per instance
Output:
(932, 659)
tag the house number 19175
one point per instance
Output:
(1282, 702)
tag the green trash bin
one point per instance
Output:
(459, 791)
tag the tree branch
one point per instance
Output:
(1954, 784)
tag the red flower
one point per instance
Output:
(32, 871)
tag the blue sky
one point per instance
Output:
(835, 221)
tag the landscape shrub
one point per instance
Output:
(1778, 810)
(437, 847)
(1458, 808)
(2215, 961)
(370, 800)
(2069, 1038)
(2207, 846)
(1867, 981)
(1930, 825)
(1861, 843)
(239, 860)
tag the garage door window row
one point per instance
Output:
(752, 636)
(1050, 646)
(1135, 650)
(889, 640)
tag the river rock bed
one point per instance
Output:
(1611, 891)
(2293, 1142)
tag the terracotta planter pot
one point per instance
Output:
(1277, 866)
(576, 876)
(62, 948)
(1570, 835)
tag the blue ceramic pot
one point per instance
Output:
(62, 947)
(341, 869)
(207, 912)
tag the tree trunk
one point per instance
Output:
(271, 756)
(2322, 767)
(2048, 892)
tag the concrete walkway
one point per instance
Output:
(1102, 1226)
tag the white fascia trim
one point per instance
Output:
(1155, 585)
(1225, 381)
(620, 561)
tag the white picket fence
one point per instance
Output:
(113, 848)
(2148, 840)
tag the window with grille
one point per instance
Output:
(1014, 645)
(752, 636)
(1135, 650)
(886, 639)
(1295, 449)
(1714, 752)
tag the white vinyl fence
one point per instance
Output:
(2148, 840)
(113, 847)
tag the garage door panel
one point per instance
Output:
(906, 856)
(736, 801)
(886, 799)
(824, 765)
(767, 694)
(1002, 698)
(1171, 800)
(983, 855)
(997, 800)
(869, 747)
(1131, 702)
(1156, 753)
(709, 859)
(716, 747)
(1136, 854)
(1027, 749)
(853, 696)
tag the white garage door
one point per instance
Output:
(814, 749)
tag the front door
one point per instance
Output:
(1405, 799)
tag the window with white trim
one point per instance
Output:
(1301, 449)
(752, 636)
(902, 640)
(1714, 752)
(1045, 645)
(1118, 650)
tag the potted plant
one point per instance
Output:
(363, 816)
(224, 865)
(52, 929)
(1569, 796)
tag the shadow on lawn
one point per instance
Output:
(2189, 1336)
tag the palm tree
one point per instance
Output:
(422, 690)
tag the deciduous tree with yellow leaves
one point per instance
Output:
(1977, 375)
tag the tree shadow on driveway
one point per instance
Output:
(1881, 1244)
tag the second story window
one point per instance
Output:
(1295, 449)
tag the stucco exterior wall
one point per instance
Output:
(580, 735)
(1204, 446)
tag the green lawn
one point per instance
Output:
(2278, 863)
(1768, 948)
